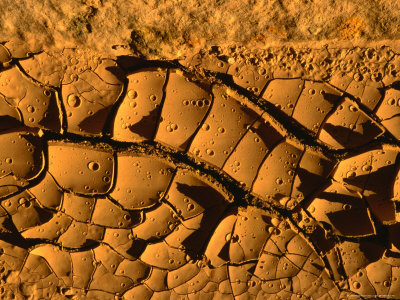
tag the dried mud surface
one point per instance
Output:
(224, 175)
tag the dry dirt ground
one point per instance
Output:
(166, 29)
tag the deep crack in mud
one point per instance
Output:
(214, 177)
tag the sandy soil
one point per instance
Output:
(166, 29)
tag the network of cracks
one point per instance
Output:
(206, 178)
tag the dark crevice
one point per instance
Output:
(154, 148)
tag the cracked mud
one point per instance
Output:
(214, 177)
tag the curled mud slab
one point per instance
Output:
(220, 176)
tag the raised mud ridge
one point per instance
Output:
(215, 177)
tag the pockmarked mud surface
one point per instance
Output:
(218, 176)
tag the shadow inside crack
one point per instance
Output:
(146, 125)
(348, 137)
(94, 124)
